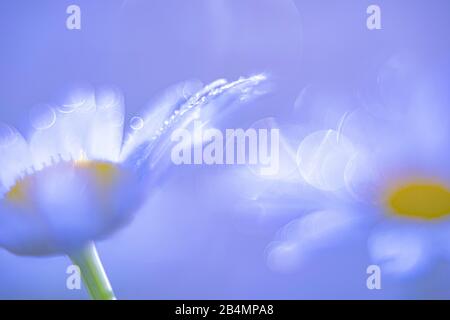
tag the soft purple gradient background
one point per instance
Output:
(187, 242)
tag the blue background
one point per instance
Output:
(188, 242)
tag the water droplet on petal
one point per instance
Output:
(42, 116)
(136, 123)
(190, 88)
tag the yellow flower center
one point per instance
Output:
(104, 174)
(17, 193)
(420, 200)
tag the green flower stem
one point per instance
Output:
(92, 272)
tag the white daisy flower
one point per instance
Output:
(382, 166)
(78, 177)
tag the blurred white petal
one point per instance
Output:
(322, 157)
(71, 189)
(15, 156)
(401, 250)
(289, 137)
(70, 134)
(104, 140)
(304, 236)
(154, 115)
(284, 257)
(42, 116)
(365, 130)
(364, 177)
(147, 149)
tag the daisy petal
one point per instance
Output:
(322, 157)
(68, 137)
(143, 129)
(15, 156)
(20, 235)
(400, 250)
(206, 105)
(304, 236)
(363, 177)
(106, 131)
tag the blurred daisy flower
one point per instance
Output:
(81, 174)
(382, 167)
